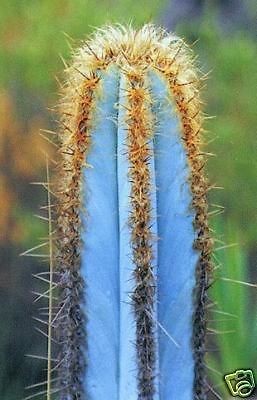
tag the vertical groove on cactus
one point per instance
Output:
(133, 239)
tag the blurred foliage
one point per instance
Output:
(34, 33)
(20, 166)
(231, 99)
(233, 317)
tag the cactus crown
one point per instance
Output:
(143, 76)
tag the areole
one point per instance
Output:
(134, 246)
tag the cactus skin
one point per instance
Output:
(133, 240)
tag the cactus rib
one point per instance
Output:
(131, 97)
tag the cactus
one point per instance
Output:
(133, 243)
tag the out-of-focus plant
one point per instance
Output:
(231, 98)
(19, 168)
(31, 32)
(233, 321)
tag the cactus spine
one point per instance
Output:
(133, 241)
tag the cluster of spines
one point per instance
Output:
(148, 47)
(143, 297)
(191, 121)
(70, 324)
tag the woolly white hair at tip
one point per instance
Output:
(128, 48)
(134, 44)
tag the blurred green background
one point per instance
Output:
(33, 35)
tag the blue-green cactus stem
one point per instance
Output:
(134, 254)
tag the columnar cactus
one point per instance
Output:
(133, 241)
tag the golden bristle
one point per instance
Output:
(134, 53)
